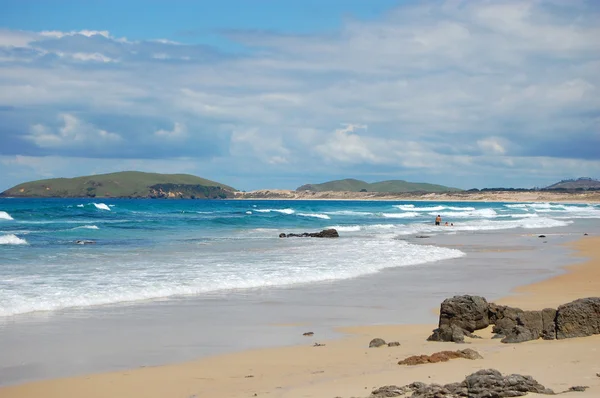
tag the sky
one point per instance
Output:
(261, 94)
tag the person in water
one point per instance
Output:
(438, 220)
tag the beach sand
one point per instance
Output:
(348, 368)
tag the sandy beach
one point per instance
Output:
(346, 367)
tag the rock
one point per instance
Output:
(377, 343)
(390, 391)
(578, 318)
(442, 356)
(488, 383)
(422, 236)
(470, 313)
(318, 345)
(448, 333)
(326, 233)
(308, 334)
(578, 388)
(393, 344)
(518, 334)
(542, 236)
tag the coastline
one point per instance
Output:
(346, 367)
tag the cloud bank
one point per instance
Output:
(460, 93)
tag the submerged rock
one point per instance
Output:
(326, 233)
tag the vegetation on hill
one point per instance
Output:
(125, 184)
(391, 186)
(581, 183)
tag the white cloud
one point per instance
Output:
(491, 145)
(179, 132)
(73, 133)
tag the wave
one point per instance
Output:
(399, 215)
(348, 213)
(322, 216)
(86, 227)
(147, 280)
(412, 208)
(80, 205)
(101, 206)
(481, 213)
(346, 228)
(5, 216)
(12, 240)
(282, 211)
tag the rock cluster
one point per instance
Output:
(487, 383)
(442, 356)
(462, 315)
(326, 233)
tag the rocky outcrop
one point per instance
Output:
(442, 356)
(578, 318)
(487, 383)
(461, 315)
(377, 342)
(326, 233)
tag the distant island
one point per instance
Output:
(125, 184)
(390, 186)
(135, 184)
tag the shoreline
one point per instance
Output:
(346, 367)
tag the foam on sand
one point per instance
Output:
(5, 216)
(12, 240)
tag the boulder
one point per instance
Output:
(578, 318)
(394, 344)
(377, 343)
(467, 312)
(326, 233)
(448, 333)
(519, 334)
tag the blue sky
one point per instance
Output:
(276, 94)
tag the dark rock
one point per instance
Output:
(393, 344)
(422, 236)
(442, 356)
(542, 236)
(308, 334)
(390, 391)
(578, 388)
(467, 312)
(326, 233)
(578, 318)
(448, 333)
(518, 334)
(318, 345)
(488, 383)
(548, 324)
(377, 343)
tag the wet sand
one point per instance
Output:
(346, 367)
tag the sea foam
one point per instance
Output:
(12, 240)
(101, 206)
(322, 216)
(5, 216)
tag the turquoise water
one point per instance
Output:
(152, 249)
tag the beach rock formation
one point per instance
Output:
(442, 356)
(326, 233)
(486, 383)
(461, 315)
(578, 318)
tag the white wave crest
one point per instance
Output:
(5, 216)
(248, 212)
(400, 215)
(322, 216)
(101, 206)
(87, 227)
(346, 228)
(12, 240)
(282, 211)
(80, 205)
(481, 213)
(349, 213)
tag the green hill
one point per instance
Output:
(125, 184)
(391, 186)
(582, 183)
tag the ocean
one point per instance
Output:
(153, 249)
(172, 281)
